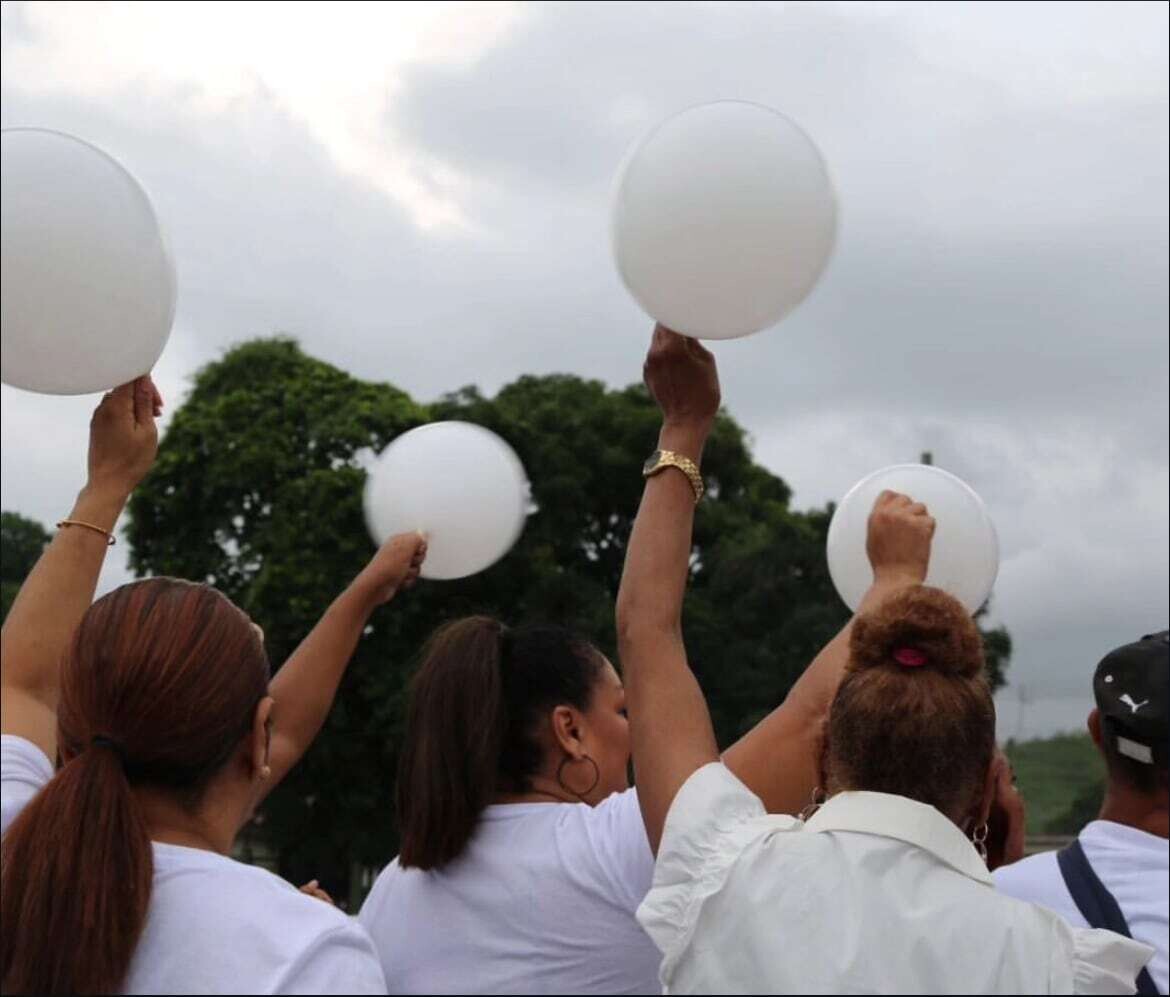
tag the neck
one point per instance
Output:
(170, 822)
(543, 790)
(1123, 805)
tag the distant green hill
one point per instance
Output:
(1062, 779)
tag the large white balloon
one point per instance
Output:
(723, 219)
(88, 284)
(458, 483)
(964, 555)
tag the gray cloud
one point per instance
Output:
(998, 295)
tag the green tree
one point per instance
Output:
(997, 649)
(21, 542)
(257, 489)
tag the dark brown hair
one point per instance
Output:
(159, 687)
(476, 701)
(925, 731)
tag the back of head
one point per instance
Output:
(1130, 687)
(913, 715)
(476, 702)
(159, 688)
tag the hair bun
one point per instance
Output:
(918, 628)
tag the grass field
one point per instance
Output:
(1061, 779)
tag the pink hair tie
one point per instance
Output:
(910, 657)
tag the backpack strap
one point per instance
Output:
(1096, 903)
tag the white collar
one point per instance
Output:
(907, 820)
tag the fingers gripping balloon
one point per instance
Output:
(964, 554)
(723, 219)
(88, 284)
(460, 485)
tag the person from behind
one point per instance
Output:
(524, 856)
(882, 888)
(1116, 874)
(139, 735)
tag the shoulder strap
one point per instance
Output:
(1096, 903)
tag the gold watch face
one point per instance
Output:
(652, 462)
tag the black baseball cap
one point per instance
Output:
(1130, 687)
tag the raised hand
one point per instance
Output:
(682, 378)
(123, 441)
(304, 688)
(394, 567)
(123, 437)
(898, 539)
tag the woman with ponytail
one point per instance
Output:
(524, 856)
(884, 887)
(139, 734)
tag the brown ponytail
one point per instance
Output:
(913, 715)
(159, 687)
(475, 702)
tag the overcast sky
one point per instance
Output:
(419, 193)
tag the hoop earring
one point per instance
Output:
(979, 840)
(814, 804)
(592, 786)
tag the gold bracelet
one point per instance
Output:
(662, 459)
(110, 538)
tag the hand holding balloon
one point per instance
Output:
(123, 438)
(963, 551)
(681, 376)
(396, 566)
(898, 538)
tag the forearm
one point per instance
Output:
(305, 687)
(779, 759)
(670, 726)
(654, 578)
(55, 596)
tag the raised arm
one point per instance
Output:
(306, 685)
(123, 440)
(779, 758)
(670, 726)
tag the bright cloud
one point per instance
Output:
(333, 66)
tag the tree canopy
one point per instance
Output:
(257, 489)
(21, 542)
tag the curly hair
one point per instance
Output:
(913, 715)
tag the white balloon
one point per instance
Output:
(459, 484)
(87, 282)
(964, 555)
(723, 219)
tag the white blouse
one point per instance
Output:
(874, 894)
(542, 901)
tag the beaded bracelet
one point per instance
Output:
(110, 539)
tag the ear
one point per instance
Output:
(261, 738)
(567, 727)
(1094, 725)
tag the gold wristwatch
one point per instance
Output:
(662, 459)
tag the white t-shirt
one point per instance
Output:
(873, 894)
(1133, 865)
(216, 926)
(541, 902)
